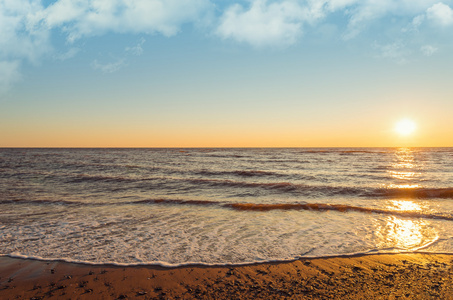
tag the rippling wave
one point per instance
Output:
(242, 173)
(335, 207)
(320, 207)
(280, 187)
(317, 207)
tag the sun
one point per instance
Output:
(405, 127)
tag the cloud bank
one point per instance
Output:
(263, 24)
(27, 26)
(84, 18)
(441, 14)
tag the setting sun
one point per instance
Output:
(405, 127)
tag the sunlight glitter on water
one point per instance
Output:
(405, 205)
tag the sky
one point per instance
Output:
(205, 73)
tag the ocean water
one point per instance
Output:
(223, 206)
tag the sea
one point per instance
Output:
(223, 206)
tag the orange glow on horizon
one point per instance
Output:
(158, 133)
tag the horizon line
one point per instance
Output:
(217, 147)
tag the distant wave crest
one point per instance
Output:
(318, 207)
(421, 193)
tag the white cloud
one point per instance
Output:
(414, 25)
(119, 63)
(428, 50)
(64, 11)
(22, 34)
(23, 37)
(263, 24)
(270, 23)
(81, 18)
(417, 21)
(440, 14)
(108, 67)
(68, 54)
(396, 52)
(136, 50)
(364, 12)
(334, 5)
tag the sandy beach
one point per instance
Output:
(398, 276)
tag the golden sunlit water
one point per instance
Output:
(405, 205)
(405, 170)
(404, 234)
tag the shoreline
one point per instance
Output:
(166, 266)
(372, 276)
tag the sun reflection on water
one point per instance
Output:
(404, 233)
(404, 170)
(404, 205)
(404, 186)
(394, 232)
(403, 175)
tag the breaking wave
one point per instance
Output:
(318, 207)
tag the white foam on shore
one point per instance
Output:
(203, 264)
(190, 236)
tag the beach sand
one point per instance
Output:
(398, 276)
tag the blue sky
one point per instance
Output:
(224, 73)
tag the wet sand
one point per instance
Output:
(399, 276)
